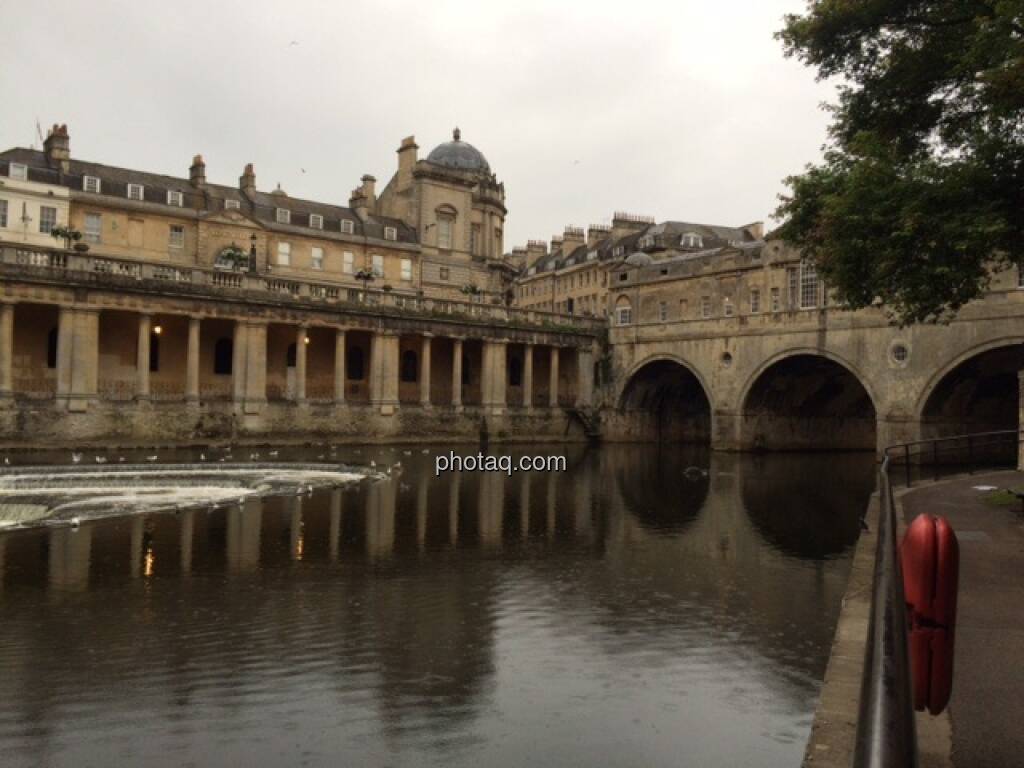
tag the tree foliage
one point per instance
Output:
(920, 194)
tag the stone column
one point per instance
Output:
(425, 372)
(6, 350)
(142, 358)
(84, 358)
(457, 374)
(238, 358)
(300, 363)
(192, 361)
(65, 343)
(528, 376)
(494, 370)
(255, 376)
(585, 373)
(553, 385)
(339, 366)
(384, 372)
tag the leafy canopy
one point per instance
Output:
(920, 194)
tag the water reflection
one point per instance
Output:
(629, 611)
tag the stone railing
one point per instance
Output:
(93, 267)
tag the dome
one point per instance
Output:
(638, 259)
(459, 155)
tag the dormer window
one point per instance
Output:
(232, 205)
(347, 227)
(316, 221)
(618, 251)
(390, 233)
(91, 184)
(691, 240)
(174, 197)
(136, 192)
(283, 216)
(18, 171)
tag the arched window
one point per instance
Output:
(409, 361)
(51, 348)
(154, 353)
(290, 356)
(515, 372)
(623, 311)
(354, 363)
(223, 352)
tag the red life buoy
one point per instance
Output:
(930, 558)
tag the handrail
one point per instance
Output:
(972, 442)
(886, 736)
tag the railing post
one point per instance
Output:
(906, 462)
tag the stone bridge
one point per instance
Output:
(821, 378)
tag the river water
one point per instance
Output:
(632, 610)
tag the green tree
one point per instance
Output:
(920, 194)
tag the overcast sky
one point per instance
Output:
(678, 110)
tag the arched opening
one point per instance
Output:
(290, 355)
(808, 402)
(409, 366)
(981, 394)
(223, 352)
(665, 402)
(51, 348)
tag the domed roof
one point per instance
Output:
(459, 155)
(638, 259)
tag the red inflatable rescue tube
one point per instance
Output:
(930, 558)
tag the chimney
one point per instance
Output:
(57, 147)
(755, 230)
(596, 233)
(247, 182)
(556, 243)
(627, 223)
(369, 184)
(535, 249)
(357, 202)
(572, 239)
(197, 172)
(407, 155)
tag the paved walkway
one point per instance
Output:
(987, 706)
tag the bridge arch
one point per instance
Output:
(665, 398)
(807, 398)
(975, 391)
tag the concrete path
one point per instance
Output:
(987, 707)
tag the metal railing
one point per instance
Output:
(886, 736)
(957, 453)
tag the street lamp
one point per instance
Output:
(252, 254)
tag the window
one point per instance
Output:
(348, 262)
(444, 232)
(354, 363)
(755, 301)
(232, 205)
(176, 238)
(444, 273)
(284, 254)
(47, 218)
(176, 198)
(776, 301)
(154, 352)
(808, 285)
(93, 227)
(378, 264)
(691, 240)
(3, 213)
(624, 315)
(91, 184)
(663, 311)
(407, 270)
(347, 227)
(51, 348)
(390, 233)
(317, 258)
(792, 281)
(316, 221)
(684, 307)
(474, 238)
(705, 307)
(136, 192)
(223, 352)
(727, 307)
(18, 171)
(408, 371)
(282, 216)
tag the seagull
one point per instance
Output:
(6, 460)
(101, 459)
(75, 522)
(202, 457)
(121, 459)
(254, 456)
(292, 43)
(151, 458)
(373, 463)
(407, 453)
(273, 453)
(76, 457)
